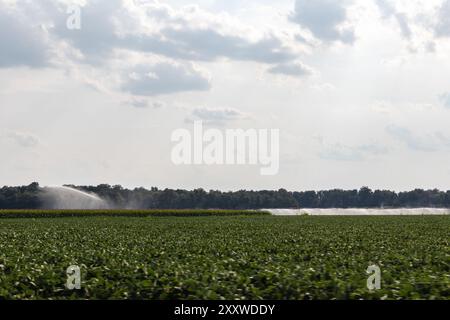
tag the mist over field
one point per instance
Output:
(360, 212)
(70, 198)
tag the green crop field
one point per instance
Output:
(127, 213)
(224, 257)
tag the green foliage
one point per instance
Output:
(261, 257)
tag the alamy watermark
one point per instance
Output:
(73, 278)
(73, 21)
(374, 280)
(227, 147)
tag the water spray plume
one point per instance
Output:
(70, 198)
(360, 212)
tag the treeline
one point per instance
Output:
(24, 197)
(29, 197)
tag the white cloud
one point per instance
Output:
(165, 78)
(429, 143)
(445, 99)
(216, 116)
(442, 28)
(342, 152)
(143, 103)
(295, 69)
(325, 19)
(388, 10)
(23, 42)
(110, 28)
(187, 33)
(22, 139)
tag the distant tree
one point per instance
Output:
(365, 197)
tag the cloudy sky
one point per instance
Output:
(360, 90)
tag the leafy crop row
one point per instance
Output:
(261, 257)
(127, 213)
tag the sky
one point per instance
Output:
(359, 90)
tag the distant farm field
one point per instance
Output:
(128, 213)
(225, 257)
